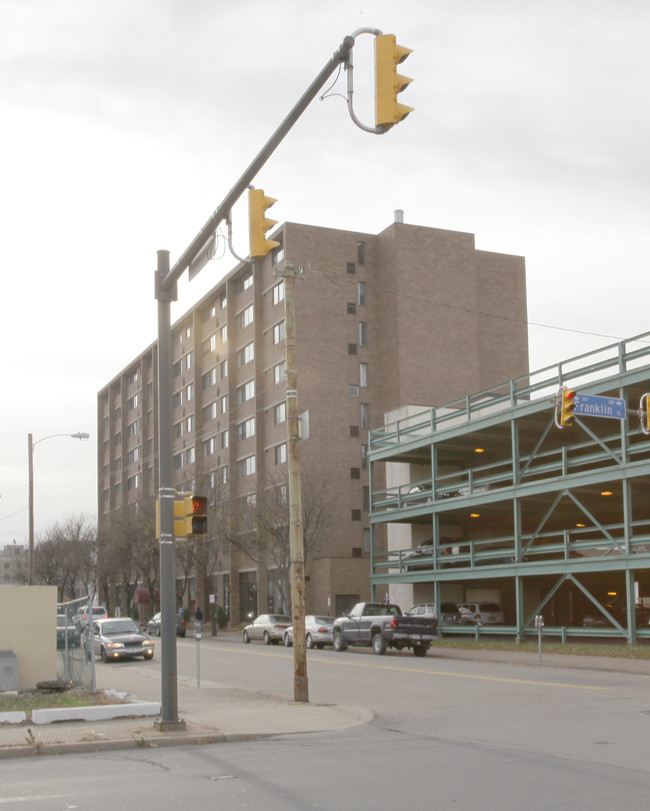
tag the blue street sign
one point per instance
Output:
(592, 405)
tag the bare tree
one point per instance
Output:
(259, 525)
(66, 555)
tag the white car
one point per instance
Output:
(481, 613)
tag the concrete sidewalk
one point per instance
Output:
(214, 713)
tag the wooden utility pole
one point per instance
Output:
(296, 541)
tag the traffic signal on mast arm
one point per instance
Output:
(196, 515)
(258, 224)
(388, 82)
(567, 407)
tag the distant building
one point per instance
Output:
(13, 564)
(410, 315)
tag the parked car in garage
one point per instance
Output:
(119, 638)
(481, 613)
(154, 625)
(267, 627)
(596, 619)
(67, 634)
(318, 632)
(449, 612)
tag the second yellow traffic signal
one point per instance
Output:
(196, 515)
(259, 224)
(388, 82)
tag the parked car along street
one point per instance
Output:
(318, 632)
(66, 632)
(119, 638)
(268, 627)
(80, 619)
(154, 625)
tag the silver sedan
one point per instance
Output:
(267, 627)
(318, 632)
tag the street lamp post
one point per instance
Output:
(30, 458)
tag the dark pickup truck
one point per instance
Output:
(382, 626)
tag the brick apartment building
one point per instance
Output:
(411, 315)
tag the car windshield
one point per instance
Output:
(126, 626)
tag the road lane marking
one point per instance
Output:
(406, 669)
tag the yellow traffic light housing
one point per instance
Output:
(388, 82)
(259, 224)
(566, 407)
(196, 515)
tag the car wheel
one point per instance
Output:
(182, 634)
(339, 643)
(158, 630)
(104, 656)
(246, 638)
(378, 645)
(309, 641)
(287, 641)
(267, 638)
(419, 650)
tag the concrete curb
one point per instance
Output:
(102, 712)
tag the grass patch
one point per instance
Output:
(28, 701)
(611, 651)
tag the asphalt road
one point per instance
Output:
(447, 734)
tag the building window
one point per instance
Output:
(132, 403)
(133, 377)
(245, 392)
(223, 369)
(280, 413)
(278, 292)
(279, 332)
(190, 456)
(245, 317)
(209, 378)
(210, 446)
(177, 368)
(361, 253)
(356, 515)
(364, 457)
(133, 482)
(277, 255)
(351, 268)
(363, 375)
(246, 429)
(118, 413)
(366, 541)
(223, 402)
(133, 456)
(223, 301)
(178, 429)
(246, 467)
(355, 473)
(363, 333)
(224, 333)
(118, 438)
(210, 411)
(245, 282)
(365, 415)
(353, 391)
(132, 429)
(280, 453)
(178, 461)
(279, 372)
(246, 354)
(224, 440)
(352, 349)
(354, 431)
(352, 308)
(210, 344)
(189, 392)
(361, 294)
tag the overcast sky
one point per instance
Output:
(126, 122)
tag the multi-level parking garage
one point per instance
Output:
(487, 498)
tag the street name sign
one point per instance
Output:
(592, 405)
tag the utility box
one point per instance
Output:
(8, 671)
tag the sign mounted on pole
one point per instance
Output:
(592, 405)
